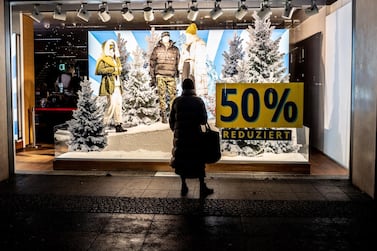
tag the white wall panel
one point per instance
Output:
(337, 100)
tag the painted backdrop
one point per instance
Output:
(217, 41)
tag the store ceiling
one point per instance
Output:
(66, 41)
(179, 20)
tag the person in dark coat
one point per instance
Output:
(187, 115)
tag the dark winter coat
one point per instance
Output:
(187, 115)
(164, 60)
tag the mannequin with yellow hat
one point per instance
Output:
(193, 60)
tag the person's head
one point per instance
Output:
(188, 84)
(165, 37)
(71, 69)
(112, 49)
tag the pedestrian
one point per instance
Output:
(187, 115)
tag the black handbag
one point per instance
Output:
(211, 144)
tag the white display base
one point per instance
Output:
(149, 148)
(150, 156)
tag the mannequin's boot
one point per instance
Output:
(205, 191)
(119, 128)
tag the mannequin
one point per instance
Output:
(193, 60)
(109, 66)
(164, 62)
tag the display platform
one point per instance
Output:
(133, 165)
(148, 148)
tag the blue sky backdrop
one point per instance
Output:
(217, 42)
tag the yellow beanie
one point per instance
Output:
(192, 29)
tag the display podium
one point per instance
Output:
(148, 148)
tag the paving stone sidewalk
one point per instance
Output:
(145, 212)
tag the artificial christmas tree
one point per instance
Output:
(86, 127)
(152, 41)
(123, 55)
(232, 58)
(139, 99)
(265, 60)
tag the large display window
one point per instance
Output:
(148, 138)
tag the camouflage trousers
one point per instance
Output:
(167, 91)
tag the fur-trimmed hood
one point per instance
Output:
(106, 48)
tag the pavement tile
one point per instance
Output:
(118, 241)
(129, 223)
(309, 196)
(128, 192)
(41, 212)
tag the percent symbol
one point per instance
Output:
(272, 101)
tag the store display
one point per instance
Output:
(147, 139)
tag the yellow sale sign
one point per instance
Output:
(252, 105)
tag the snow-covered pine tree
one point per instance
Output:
(242, 67)
(123, 57)
(231, 58)
(266, 63)
(86, 126)
(210, 100)
(152, 41)
(139, 99)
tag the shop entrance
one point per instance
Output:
(45, 153)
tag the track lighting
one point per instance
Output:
(83, 13)
(126, 12)
(103, 12)
(241, 11)
(148, 12)
(59, 14)
(36, 14)
(193, 11)
(312, 10)
(216, 11)
(264, 10)
(288, 10)
(168, 12)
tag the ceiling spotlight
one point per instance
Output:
(36, 15)
(126, 12)
(103, 12)
(168, 11)
(193, 11)
(148, 12)
(288, 10)
(59, 14)
(312, 10)
(216, 11)
(264, 10)
(83, 13)
(241, 11)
